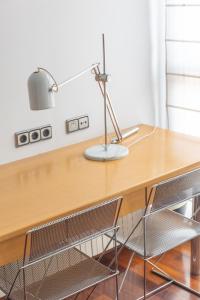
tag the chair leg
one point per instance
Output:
(24, 284)
(117, 287)
(90, 292)
(126, 272)
(158, 259)
(145, 278)
(156, 290)
(8, 295)
(162, 274)
(158, 271)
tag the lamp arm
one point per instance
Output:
(56, 86)
(119, 135)
(110, 109)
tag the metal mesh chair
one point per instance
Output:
(54, 265)
(159, 229)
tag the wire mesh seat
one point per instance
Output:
(54, 265)
(159, 229)
(165, 230)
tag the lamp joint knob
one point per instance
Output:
(101, 77)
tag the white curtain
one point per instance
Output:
(183, 65)
(175, 37)
(176, 63)
(158, 76)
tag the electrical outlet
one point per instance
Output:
(72, 125)
(34, 135)
(83, 122)
(21, 138)
(46, 132)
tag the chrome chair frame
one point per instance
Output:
(59, 240)
(151, 208)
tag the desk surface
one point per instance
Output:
(38, 189)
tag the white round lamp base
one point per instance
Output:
(100, 153)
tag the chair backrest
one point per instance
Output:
(64, 233)
(175, 190)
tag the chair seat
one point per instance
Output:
(63, 275)
(164, 230)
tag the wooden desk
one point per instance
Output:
(51, 185)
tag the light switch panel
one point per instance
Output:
(72, 125)
(77, 123)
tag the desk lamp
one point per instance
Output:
(42, 86)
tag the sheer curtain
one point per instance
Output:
(183, 65)
(175, 36)
(158, 75)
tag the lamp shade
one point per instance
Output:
(39, 89)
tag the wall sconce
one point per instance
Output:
(42, 86)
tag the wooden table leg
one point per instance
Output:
(195, 246)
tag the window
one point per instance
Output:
(183, 65)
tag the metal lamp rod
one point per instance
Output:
(59, 85)
(105, 93)
(120, 136)
(109, 108)
(102, 81)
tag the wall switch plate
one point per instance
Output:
(46, 132)
(83, 122)
(34, 135)
(77, 123)
(72, 125)
(21, 138)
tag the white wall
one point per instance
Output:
(65, 36)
